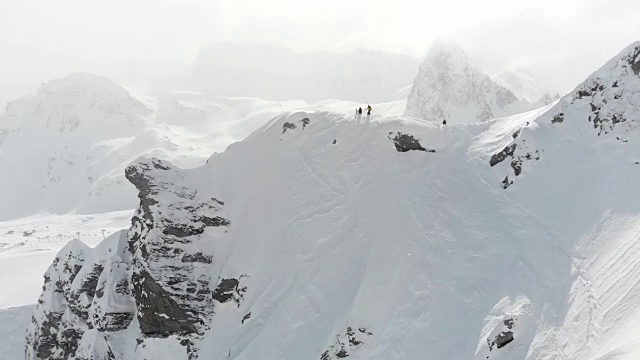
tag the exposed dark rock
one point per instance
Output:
(342, 354)
(224, 291)
(158, 313)
(634, 61)
(506, 182)
(406, 142)
(197, 257)
(334, 141)
(114, 321)
(182, 230)
(229, 289)
(559, 118)
(46, 343)
(288, 126)
(346, 343)
(246, 317)
(583, 93)
(352, 339)
(214, 221)
(71, 338)
(503, 338)
(305, 122)
(516, 165)
(159, 166)
(90, 282)
(509, 323)
(515, 134)
(499, 157)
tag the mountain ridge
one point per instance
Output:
(381, 232)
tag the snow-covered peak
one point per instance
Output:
(86, 104)
(608, 99)
(449, 87)
(525, 86)
(448, 52)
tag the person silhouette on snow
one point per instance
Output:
(369, 109)
(360, 110)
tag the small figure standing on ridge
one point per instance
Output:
(360, 110)
(369, 109)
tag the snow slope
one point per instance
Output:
(323, 236)
(449, 87)
(12, 330)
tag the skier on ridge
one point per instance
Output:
(369, 110)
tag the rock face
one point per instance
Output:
(406, 142)
(151, 282)
(449, 87)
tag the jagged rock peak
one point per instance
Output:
(156, 280)
(607, 100)
(80, 101)
(449, 87)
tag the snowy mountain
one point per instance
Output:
(323, 236)
(276, 73)
(525, 87)
(449, 87)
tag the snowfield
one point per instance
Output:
(325, 235)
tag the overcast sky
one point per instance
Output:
(561, 41)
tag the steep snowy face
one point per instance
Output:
(449, 87)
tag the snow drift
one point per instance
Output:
(324, 237)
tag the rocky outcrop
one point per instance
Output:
(608, 96)
(406, 142)
(346, 343)
(152, 282)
